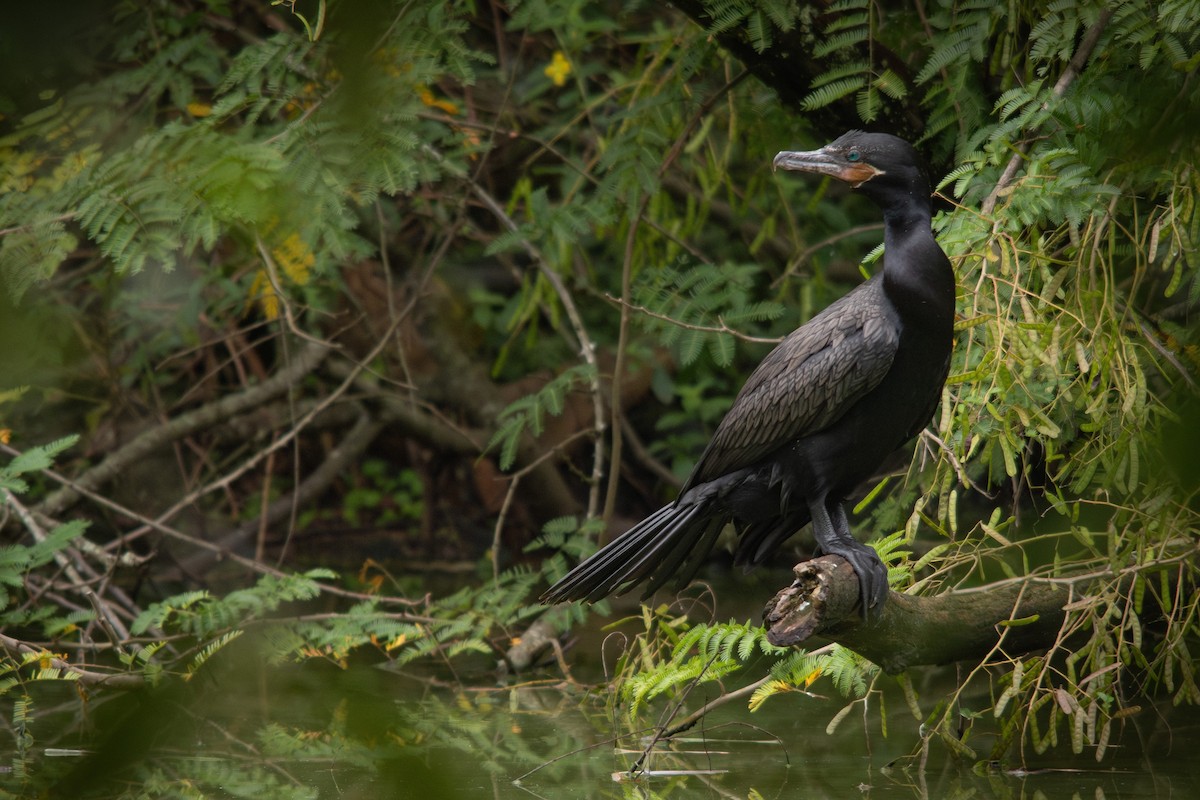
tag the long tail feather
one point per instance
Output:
(653, 549)
(684, 562)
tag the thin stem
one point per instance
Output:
(587, 349)
(614, 475)
(1076, 65)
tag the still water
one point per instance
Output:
(249, 729)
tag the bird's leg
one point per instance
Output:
(831, 529)
(878, 589)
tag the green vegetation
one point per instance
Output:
(306, 306)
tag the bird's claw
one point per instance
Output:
(872, 576)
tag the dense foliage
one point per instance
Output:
(333, 298)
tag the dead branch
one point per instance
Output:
(538, 639)
(19, 650)
(71, 567)
(1076, 65)
(353, 445)
(1017, 617)
(81, 576)
(305, 361)
(160, 525)
(410, 418)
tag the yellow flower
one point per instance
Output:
(559, 69)
(263, 293)
(295, 258)
(199, 109)
(428, 99)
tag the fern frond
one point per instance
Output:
(33, 254)
(848, 671)
(527, 412)
(209, 650)
(832, 92)
(847, 40)
(942, 57)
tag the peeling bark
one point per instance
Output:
(912, 630)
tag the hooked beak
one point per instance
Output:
(824, 162)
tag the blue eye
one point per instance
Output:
(853, 155)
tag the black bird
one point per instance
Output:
(823, 409)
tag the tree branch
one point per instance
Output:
(722, 328)
(352, 445)
(1086, 45)
(910, 630)
(304, 362)
(19, 651)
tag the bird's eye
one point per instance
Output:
(853, 155)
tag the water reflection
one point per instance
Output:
(246, 729)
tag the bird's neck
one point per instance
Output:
(917, 275)
(905, 219)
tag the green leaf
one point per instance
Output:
(38, 458)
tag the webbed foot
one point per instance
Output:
(831, 529)
(872, 574)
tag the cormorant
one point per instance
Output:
(823, 409)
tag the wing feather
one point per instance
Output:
(807, 382)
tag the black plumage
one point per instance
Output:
(823, 409)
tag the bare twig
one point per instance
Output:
(289, 315)
(107, 622)
(584, 172)
(603, 743)
(587, 349)
(426, 426)
(691, 719)
(644, 456)
(315, 353)
(614, 475)
(689, 326)
(355, 442)
(510, 495)
(955, 464)
(162, 527)
(1074, 67)
(807, 253)
(661, 731)
(19, 650)
(137, 449)
(69, 567)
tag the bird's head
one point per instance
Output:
(884, 167)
